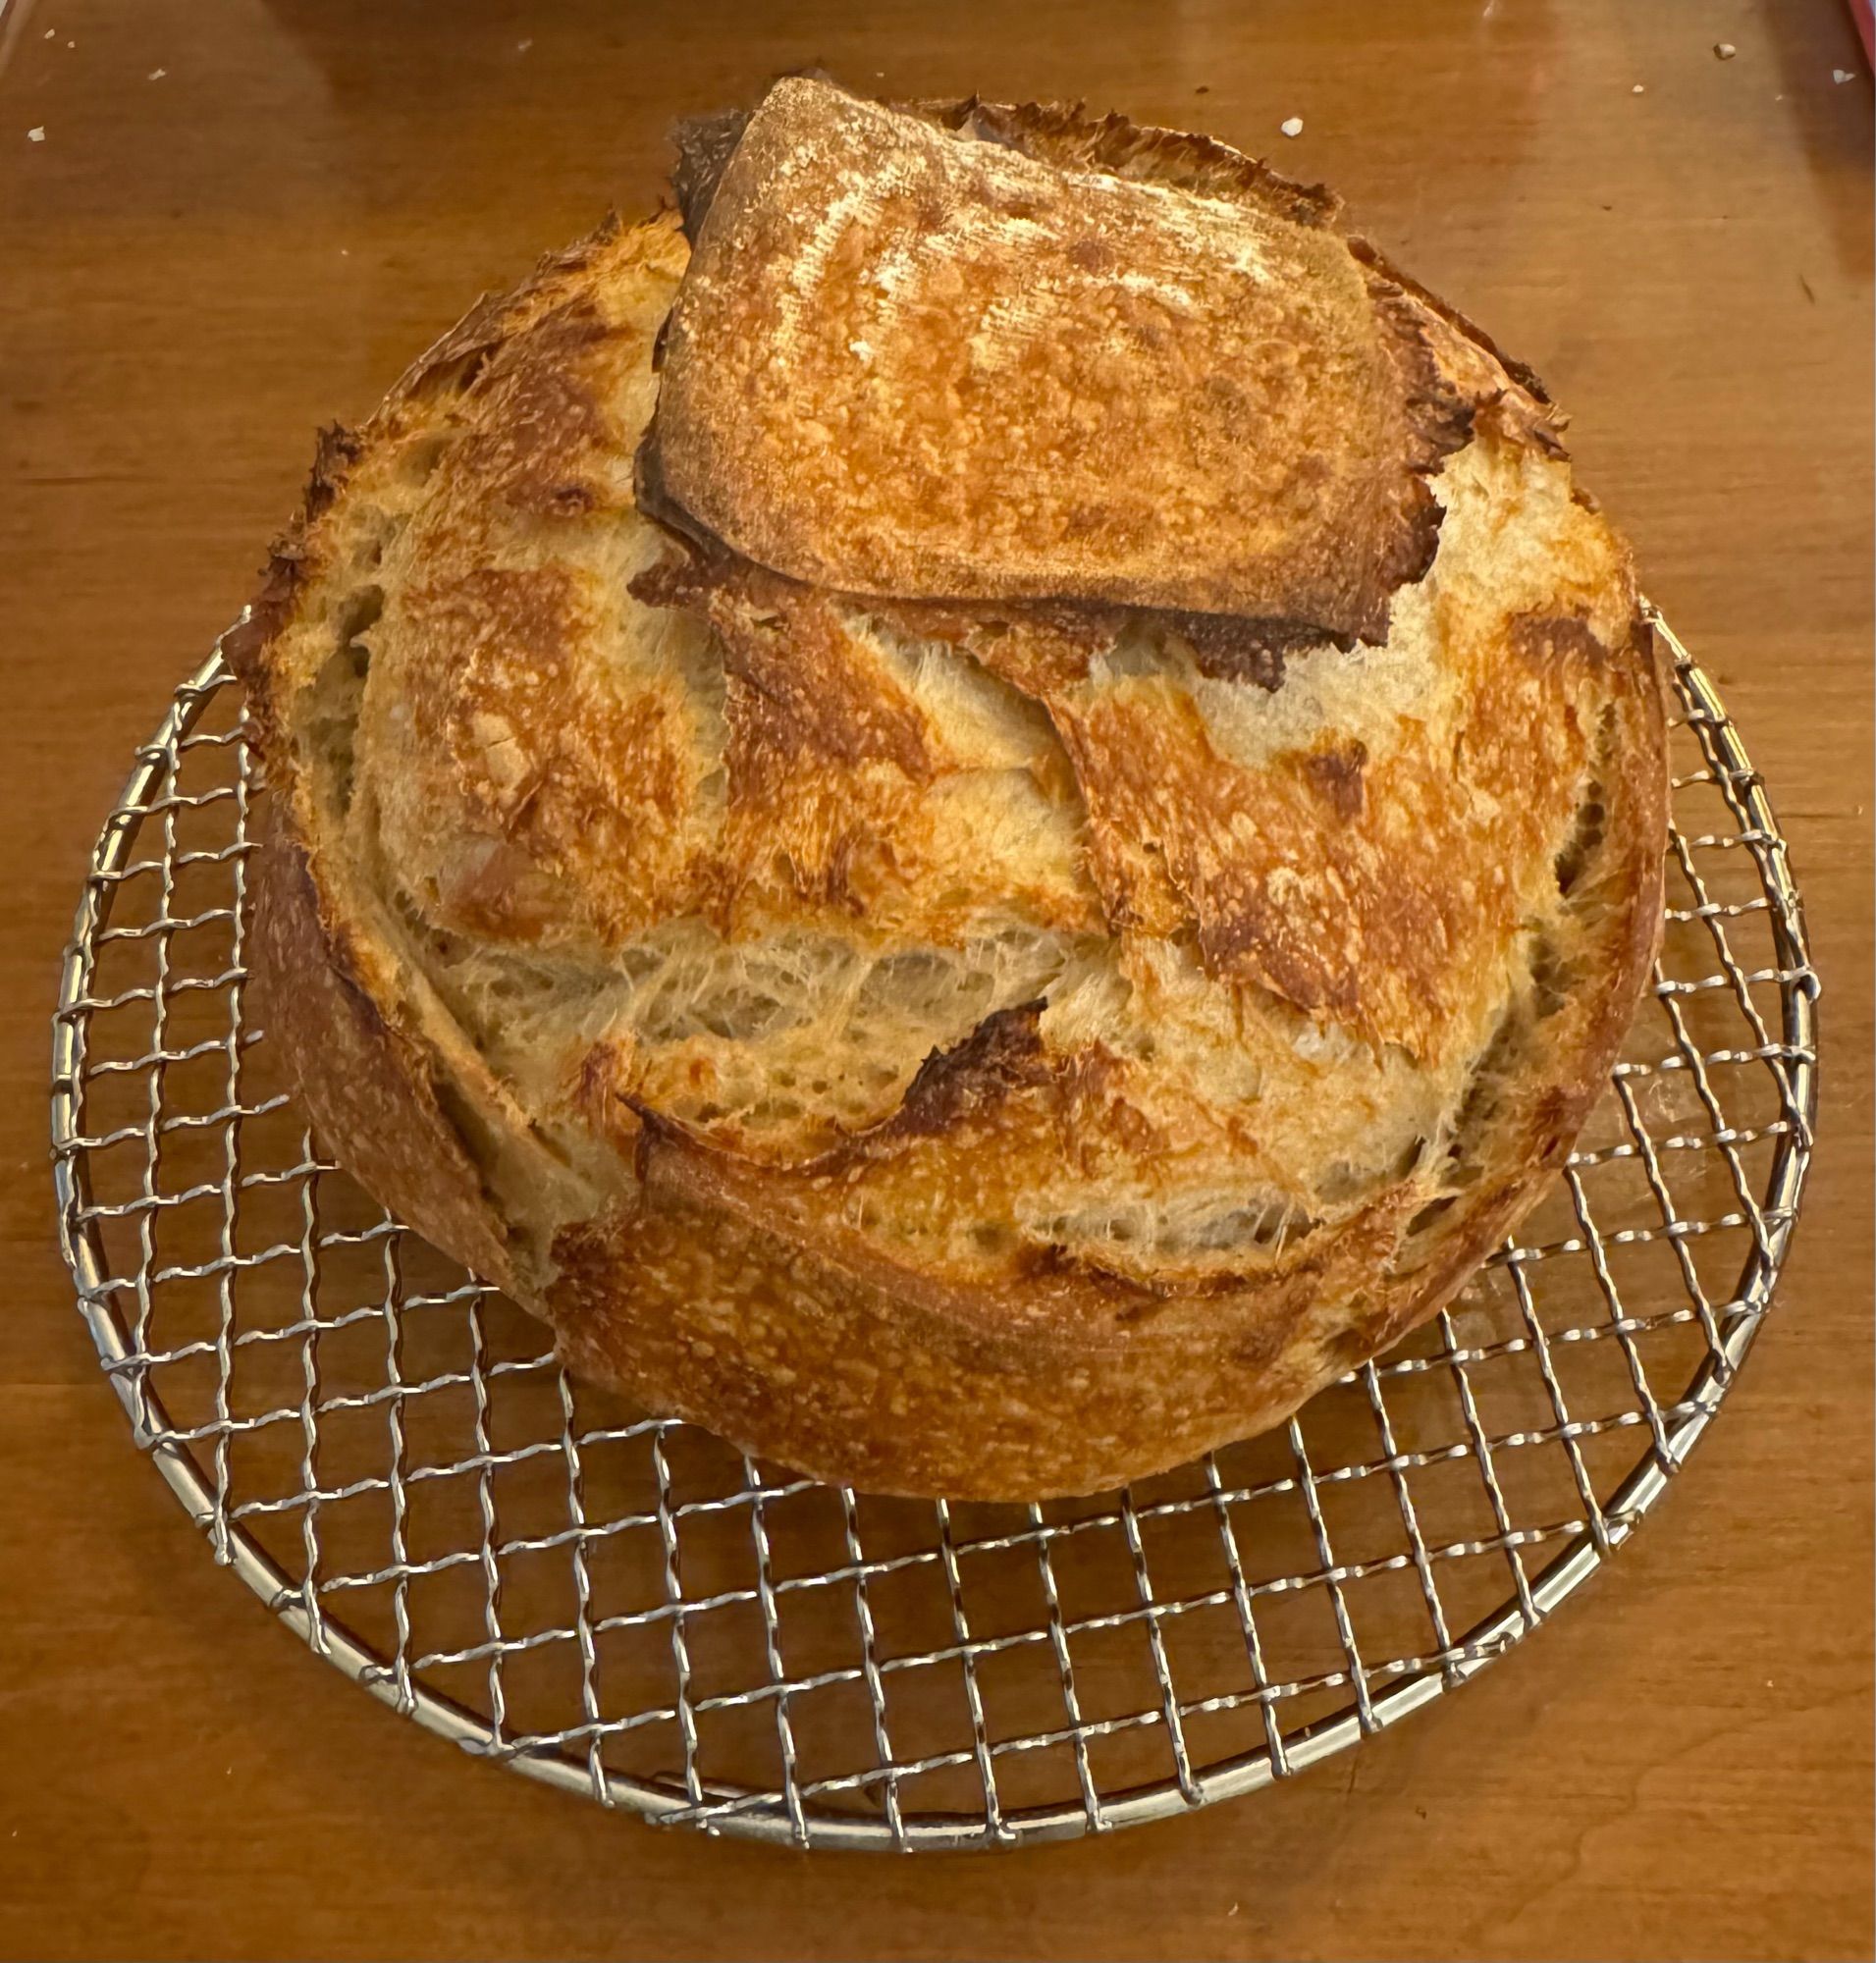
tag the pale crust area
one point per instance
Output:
(943, 1046)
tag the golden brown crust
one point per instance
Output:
(880, 1029)
(1299, 876)
(914, 358)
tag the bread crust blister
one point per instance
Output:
(967, 959)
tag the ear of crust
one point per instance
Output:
(366, 1087)
(1019, 355)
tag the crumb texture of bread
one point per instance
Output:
(956, 998)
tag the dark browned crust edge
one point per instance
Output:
(247, 645)
(1521, 372)
(705, 145)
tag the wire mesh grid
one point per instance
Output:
(386, 1452)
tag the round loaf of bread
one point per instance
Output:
(948, 1042)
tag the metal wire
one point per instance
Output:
(384, 1449)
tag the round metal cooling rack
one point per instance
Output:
(385, 1453)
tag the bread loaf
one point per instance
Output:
(979, 823)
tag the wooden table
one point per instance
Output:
(243, 215)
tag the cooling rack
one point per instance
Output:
(384, 1449)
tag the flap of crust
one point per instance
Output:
(993, 354)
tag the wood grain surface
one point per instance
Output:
(242, 219)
